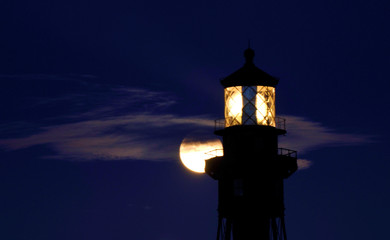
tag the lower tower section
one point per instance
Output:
(250, 183)
(273, 229)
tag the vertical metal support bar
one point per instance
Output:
(219, 228)
(283, 228)
(274, 228)
(228, 229)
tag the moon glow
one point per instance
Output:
(194, 152)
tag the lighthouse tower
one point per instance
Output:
(251, 171)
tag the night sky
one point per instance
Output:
(96, 97)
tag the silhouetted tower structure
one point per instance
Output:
(250, 174)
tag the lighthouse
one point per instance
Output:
(251, 172)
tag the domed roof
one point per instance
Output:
(249, 74)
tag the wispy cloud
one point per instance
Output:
(305, 135)
(133, 123)
(303, 163)
(157, 137)
(137, 137)
(109, 122)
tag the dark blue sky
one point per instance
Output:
(96, 97)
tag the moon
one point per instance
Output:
(195, 150)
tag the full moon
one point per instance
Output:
(194, 152)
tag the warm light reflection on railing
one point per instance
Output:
(280, 123)
(215, 153)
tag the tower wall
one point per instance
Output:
(250, 190)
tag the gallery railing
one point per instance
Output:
(280, 123)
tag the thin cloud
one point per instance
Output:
(118, 122)
(138, 137)
(99, 121)
(305, 135)
(304, 164)
(158, 136)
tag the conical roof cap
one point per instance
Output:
(249, 74)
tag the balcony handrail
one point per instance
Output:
(287, 152)
(214, 152)
(281, 151)
(280, 123)
(219, 124)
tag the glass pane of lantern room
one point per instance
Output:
(265, 104)
(233, 106)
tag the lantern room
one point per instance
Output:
(249, 95)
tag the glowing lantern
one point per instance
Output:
(249, 95)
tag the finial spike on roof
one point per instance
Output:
(249, 54)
